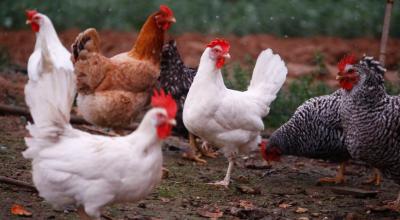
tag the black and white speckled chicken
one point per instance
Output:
(176, 78)
(371, 117)
(314, 131)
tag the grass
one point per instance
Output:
(346, 18)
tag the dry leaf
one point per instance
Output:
(301, 210)
(248, 190)
(210, 212)
(284, 205)
(20, 210)
(247, 205)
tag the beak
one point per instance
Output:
(28, 21)
(172, 122)
(172, 20)
(227, 56)
(338, 77)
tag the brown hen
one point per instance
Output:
(113, 91)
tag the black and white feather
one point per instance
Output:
(371, 120)
(314, 131)
(175, 78)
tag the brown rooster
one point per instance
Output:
(113, 91)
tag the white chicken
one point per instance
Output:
(75, 168)
(229, 119)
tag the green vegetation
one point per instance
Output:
(289, 98)
(346, 18)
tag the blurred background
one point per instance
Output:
(310, 35)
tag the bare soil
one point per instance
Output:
(268, 193)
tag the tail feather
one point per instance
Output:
(269, 74)
(49, 96)
(85, 43)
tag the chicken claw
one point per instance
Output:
(192, 156)
(223, 183)
(339, 176)
(206, 151)
(375, 179)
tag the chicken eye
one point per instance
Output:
(216, 50)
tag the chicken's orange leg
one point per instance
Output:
(375, 179)
(339, 176)
(191, 154)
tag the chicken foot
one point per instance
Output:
(191, 154)
(225, 182)
(339, 176)
(205, 150)
(375, 179)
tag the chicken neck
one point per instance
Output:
(149, 42)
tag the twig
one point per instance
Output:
(385, 31)
(7, 180)
(16, 110)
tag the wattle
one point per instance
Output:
(346, 85)
(35, 27)
(163, 131)
(220, 62)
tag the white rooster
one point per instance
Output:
(75, 168)
(229, 119)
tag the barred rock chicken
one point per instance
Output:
(176, 78)
(229, 119)
(313, 131)
(75, 168)
(113, 91)
(371, 117)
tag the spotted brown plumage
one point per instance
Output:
(371, 119)
(176, 78)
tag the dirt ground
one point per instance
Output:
(288, 190)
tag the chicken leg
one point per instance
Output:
(375, 179)
(339, 176)
(82, 214)
(191, 154)
(225, 182)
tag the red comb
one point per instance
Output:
(224, 44)
(166, 10)
(30, 14)
(162, 100)
(348, 59)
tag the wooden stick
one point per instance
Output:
(8, 180)
(16, 110)
(385, 31)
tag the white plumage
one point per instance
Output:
(72, 167)
(229, 119)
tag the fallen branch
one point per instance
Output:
(16, 110)
(14, 182)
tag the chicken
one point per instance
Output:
(49, 57)
(177, 78)
(313, 131)
(75, 168)
(113, 91)
(371, 117)
(229, 119)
